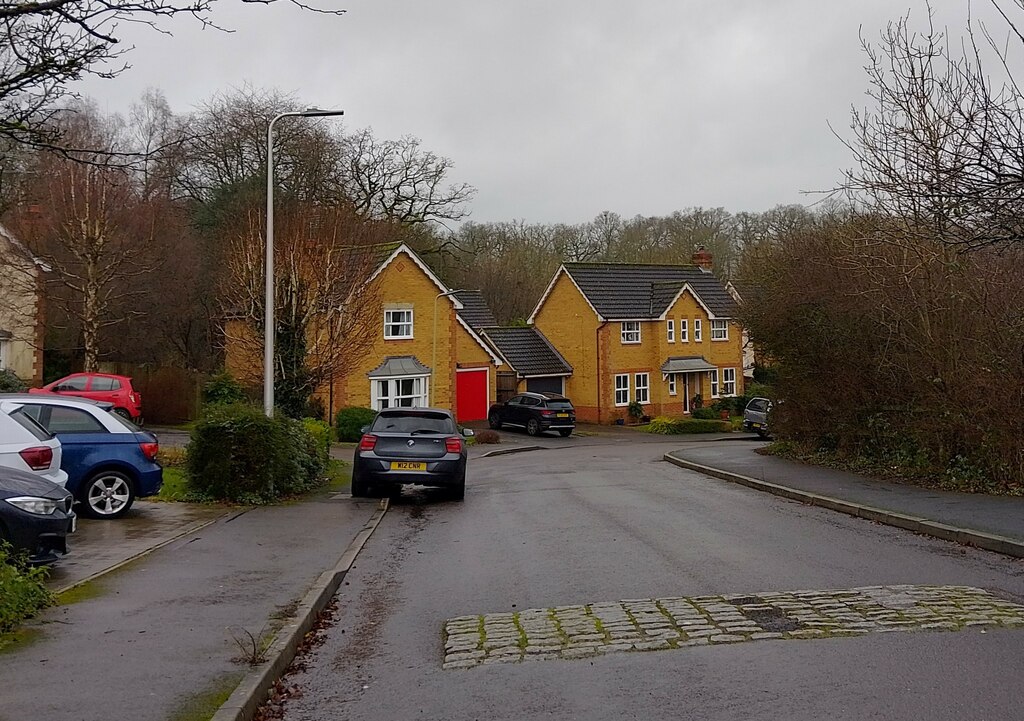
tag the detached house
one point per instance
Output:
(21, 310)
(660, 335)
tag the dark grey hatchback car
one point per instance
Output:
(421, 446)
(35, 515)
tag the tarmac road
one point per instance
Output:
(592, 524)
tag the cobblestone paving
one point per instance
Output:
(571, 632)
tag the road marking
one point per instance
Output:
(571, 632)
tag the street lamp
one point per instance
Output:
(268, 309)
(433, 363)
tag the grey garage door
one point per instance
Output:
(544, 385)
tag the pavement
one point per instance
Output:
(1000, 515)
(154, 640)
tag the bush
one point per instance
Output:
(321, 434)
(223, 389)
(238, 454)
(11, 383)
(22, 589)
(676, 426)
(349, 422)
(487, 436)
(172, 457)
(708, 414)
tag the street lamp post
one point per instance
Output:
(433, 362)
(268, 301)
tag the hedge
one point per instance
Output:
(10, 382)
(22, 590)
(349, 422)
(238, 454)
(677, 426)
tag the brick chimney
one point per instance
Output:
(702, 259)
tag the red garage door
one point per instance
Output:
(471, 395)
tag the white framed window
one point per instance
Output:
(684, 330)
(622, 389)
(670, 328)
(728, 381)
(719, 330)
(4, 351)
(631, 331)
(672, 384)
(400, 393)
(697, 330)
(714, 383)
(643, 388)
(398, 324)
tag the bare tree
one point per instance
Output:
(45, 45)
(327, 315)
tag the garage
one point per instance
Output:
(545, 385)
(471, 394)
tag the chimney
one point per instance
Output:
(702, 259)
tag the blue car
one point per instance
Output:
(109, 460)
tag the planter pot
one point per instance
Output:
(620, 421)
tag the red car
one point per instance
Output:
(99, 387)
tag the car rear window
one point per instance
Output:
(562, 405)
(412, 422)
(758, 405)
(102, 383)
(29, 424)
(72, 420)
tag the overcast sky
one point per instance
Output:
(556, 110)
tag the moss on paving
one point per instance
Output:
(203, 705)
(85, 591)
(15, 641)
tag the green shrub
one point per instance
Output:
(349, 422)
(11, 383)
(667, 426)
(321, 434)
(223, 389)
(238, 454)
(22, 589)
(708, 414)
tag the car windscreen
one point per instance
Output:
(29, 424)
(413, 422)
(560, 405)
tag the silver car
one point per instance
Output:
(755, 416)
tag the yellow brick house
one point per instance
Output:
(660, 335)
(425, 348)
(21, 310)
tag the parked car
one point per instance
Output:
(35, 515)
(113, 389)
(755, 416)
(109, 460)
(421, 446)
(26, 446)
(536, 412)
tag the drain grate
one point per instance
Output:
(772, 619)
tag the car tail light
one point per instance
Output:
(149, 450)
(453, 445)
(38, 458)
(547, 414)
(367, 442)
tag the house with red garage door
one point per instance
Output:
(427, 348)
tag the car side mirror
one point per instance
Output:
(468, 433)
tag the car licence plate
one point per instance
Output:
(408, 466)
(755, 425)
(563, 415)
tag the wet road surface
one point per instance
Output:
(591, 525)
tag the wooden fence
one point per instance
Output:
(170, 395)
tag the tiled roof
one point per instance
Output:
(528, 351)
(405, 365)
(474, 310)
(627, 290)
(686, 364)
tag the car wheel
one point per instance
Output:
(532, 427)
(123, 413)
(494, 421)
(359, 488)
(565, 433)
(107, 495)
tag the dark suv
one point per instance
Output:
(536, 412)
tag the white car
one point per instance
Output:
(27, 446)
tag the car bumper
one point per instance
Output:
(150, 480)
(44, 538)
(441, 472)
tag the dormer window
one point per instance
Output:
(631, 331)
(398, 324)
